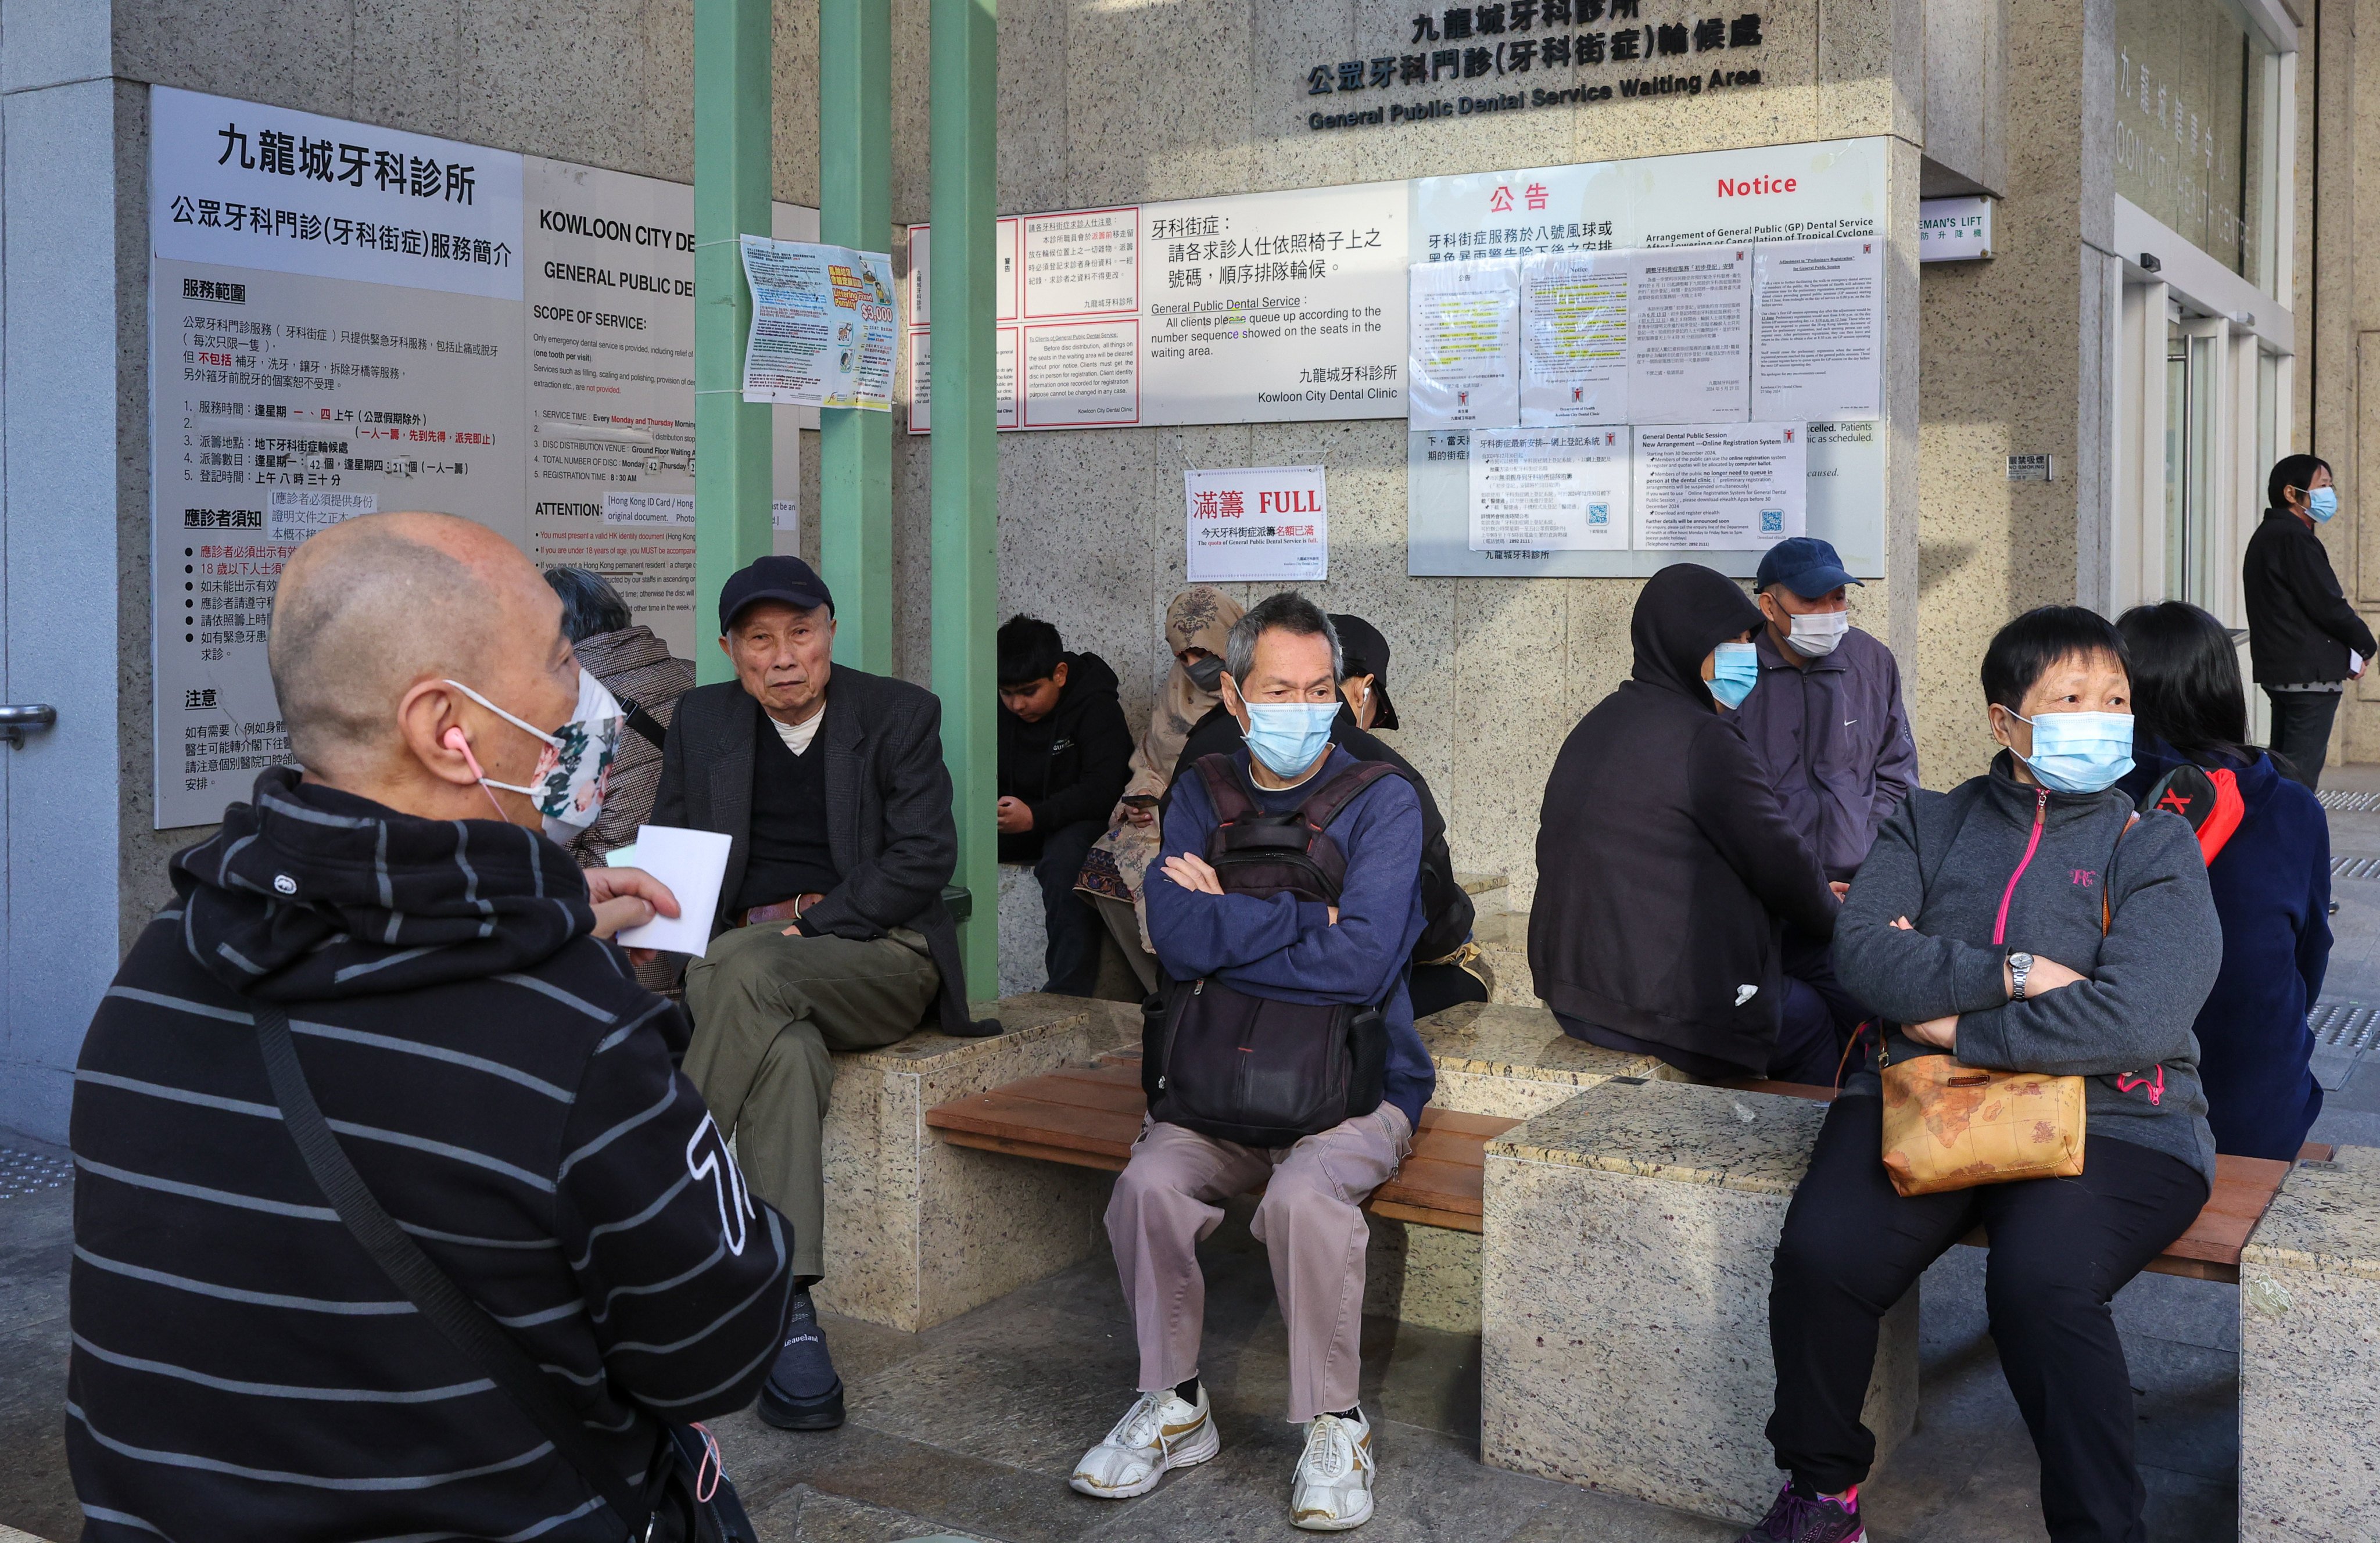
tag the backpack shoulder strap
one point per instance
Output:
(2209, 800)
(482, 1341)
(643, 721)
(1230, 800)
(1325, 802)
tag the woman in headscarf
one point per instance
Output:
(1196, 624)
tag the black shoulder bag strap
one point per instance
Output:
(462, 1320)
(643, 721)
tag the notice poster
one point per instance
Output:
(609, 422)
(1550, 490)
(1574, 338)
(1720, 487)
(921, 379)
(1257, 525)
(1818, 330)
(1081, 375)
(1690, 337)
(1463, 340)
(1083, 263)
(825, 324)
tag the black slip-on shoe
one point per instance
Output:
(787, 1413)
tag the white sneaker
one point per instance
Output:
(1332, 1489)
(1159, 1432)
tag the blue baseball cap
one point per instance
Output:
(1804, 564)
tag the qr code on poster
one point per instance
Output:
(1599, 513)
(1772, 522)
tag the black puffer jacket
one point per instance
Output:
(1666, 869)
(2300, 623)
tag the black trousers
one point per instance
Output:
(2060, 1250)
(1436, 988)
(2301, 729)
(1072, 954)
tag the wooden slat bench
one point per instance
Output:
(1088, 1117)
(2244, 1188)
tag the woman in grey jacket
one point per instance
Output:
(2017, 923)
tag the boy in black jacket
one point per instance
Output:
(1064, 757)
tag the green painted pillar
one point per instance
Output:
(731, 158)
(965, 457)
(855, 210)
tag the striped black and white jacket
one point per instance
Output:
(241, 1369)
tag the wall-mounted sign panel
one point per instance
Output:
(449, 327)
(1264, 524)
(1954, 230)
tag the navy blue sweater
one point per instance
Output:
(2271, 883)
(1288, 949)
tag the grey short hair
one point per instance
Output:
(1287, 612)
(590, 607)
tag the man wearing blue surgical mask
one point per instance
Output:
(1281, 673)
(2305, 640)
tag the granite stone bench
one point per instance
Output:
(918, 1231)
(1624, 1339)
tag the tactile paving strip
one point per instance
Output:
(2343, 1032)
(2355, 868)
(31, 1173)
(2348, 802)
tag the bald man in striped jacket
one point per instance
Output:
(242, 1369)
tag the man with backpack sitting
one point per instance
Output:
(1285, 1056)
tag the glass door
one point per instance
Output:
(2193, 425)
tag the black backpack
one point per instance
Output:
(1246, 1068)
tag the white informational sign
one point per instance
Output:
(1259, 308)
(1689, 337)
(1574, 338)
(1817, 329)
(825, 324)
(1954, 230)
(610, 302)
(1464, 342)
(676, 510)
(299, 376)
(921, 379)
(1727, 487)
(1550, 490)
(1257, 525)
(242, 186)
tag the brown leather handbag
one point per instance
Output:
(1947, 1125)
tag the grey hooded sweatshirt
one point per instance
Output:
(2026, 869)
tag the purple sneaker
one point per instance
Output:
(1794, 1519)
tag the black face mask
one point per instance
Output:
(1205, 674)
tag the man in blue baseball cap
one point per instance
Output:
(1828, 722)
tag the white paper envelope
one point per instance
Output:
(693, 864)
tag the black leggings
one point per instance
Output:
(2060, 1248)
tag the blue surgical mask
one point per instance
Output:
(2080, 752)
(1288, 736)
(1735, 671)
(2322, 504)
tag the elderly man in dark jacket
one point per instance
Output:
(1666, 869)
(832, 933)
(2301, 624)
(243, 1369)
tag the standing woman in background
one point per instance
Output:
(2300, 626)
(2267, 849)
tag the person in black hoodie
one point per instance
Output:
(1065, 754)
(242, 1368)
(2301, 624)
(1447, 969)
(1666, 869)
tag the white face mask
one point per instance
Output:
(573, 774)
(1815, 632)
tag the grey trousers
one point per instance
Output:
(767, 1009)
(1170, 1195)
(1123, 926)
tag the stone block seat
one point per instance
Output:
(918, 1231)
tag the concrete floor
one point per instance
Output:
(972, 1428)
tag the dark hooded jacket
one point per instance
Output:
(1072, 765)
(510, 1095)
(1666, 869)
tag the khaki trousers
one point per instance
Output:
(1170, 1196)
(767, 1009)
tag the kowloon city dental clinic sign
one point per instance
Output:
(1529, 53)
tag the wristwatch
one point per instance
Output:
(2020, 965)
